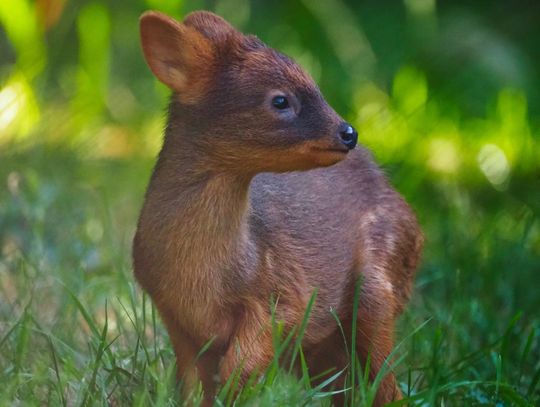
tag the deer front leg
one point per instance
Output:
(191, 367)
(250, 349)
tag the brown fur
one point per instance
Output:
(245, 205)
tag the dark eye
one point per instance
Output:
(280, 102)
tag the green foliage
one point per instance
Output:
(446, 96)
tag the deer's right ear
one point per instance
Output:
(178, 55)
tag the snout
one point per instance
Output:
(333, 146)
(347, 135)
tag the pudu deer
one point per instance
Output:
(261, 192)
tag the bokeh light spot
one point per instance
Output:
(494, 164)
(443, 156)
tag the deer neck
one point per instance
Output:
(204, 217)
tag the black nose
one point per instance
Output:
(348, 135)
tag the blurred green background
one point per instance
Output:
(445, 93)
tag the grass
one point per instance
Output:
(76, 330)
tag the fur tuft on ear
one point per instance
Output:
(179, 56)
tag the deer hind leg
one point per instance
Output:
(326, 359)
(374, 345)
(374, 338)
(373, 342)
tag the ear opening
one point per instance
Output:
(179, 56)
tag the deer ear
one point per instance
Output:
(179, 56)
(211, 26)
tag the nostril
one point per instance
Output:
(348, 136)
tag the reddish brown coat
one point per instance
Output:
(246, 204)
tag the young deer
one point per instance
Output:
(260, 193)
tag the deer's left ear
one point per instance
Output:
(179, 56)
(212, 27)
